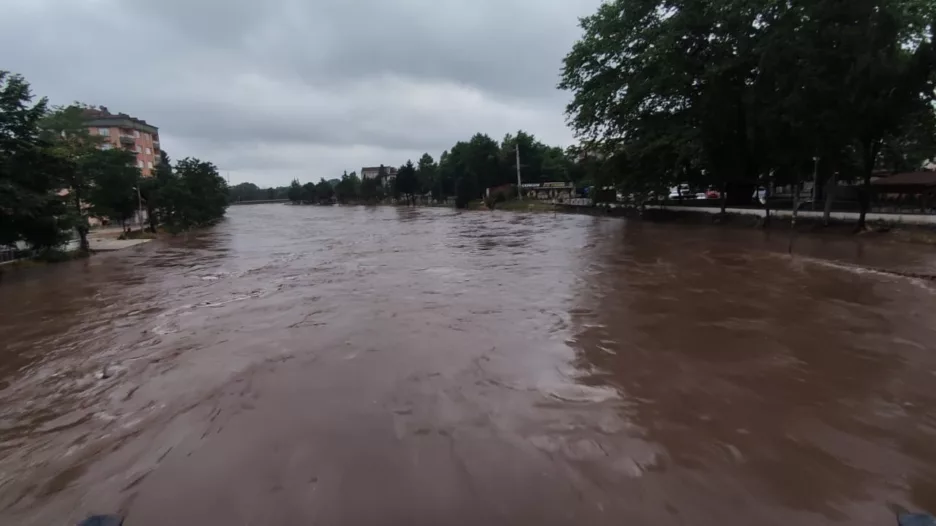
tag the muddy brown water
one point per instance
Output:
(358, 366)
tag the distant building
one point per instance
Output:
(373, 172)
(123, 131)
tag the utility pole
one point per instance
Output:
(519, 185)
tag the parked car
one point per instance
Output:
(760, 195)
(711, 193)
(681, 192)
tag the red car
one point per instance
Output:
(712, 194)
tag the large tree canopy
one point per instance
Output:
(731, 93)
(31, 210)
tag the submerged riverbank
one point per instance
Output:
(883, 227)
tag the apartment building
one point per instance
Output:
(123, 131)
(373, 172)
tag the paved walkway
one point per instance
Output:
(107, 244)
(909, 219)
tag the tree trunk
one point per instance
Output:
(864, 200)
(766, 211)
(796, 204)
(82, 227)
(869, 151)
(151, 218)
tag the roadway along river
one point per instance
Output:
(381, 366)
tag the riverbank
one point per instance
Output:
(878, 228)
(896, 227)
(905, 228)
(99, 240)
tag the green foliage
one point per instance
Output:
(406, 183)
(70, 141)
(309, 193)
(31, 211)
(348, 188)
(370, 190)
(466, 190)
(733, 94)
(324, 191)
(427, 173)
(195, 195)
(153, 191)
(295, 191)
(53, 173)
(251, 192)
(114, 192)
(478, 164)
(539, 163)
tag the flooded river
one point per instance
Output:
(381, 366)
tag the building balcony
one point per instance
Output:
(127, 140)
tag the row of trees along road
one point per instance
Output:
(735, 94)
(462, 172)
(251, 192)
(54, 175)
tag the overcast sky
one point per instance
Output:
(270, 90)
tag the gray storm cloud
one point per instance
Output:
(279, 89)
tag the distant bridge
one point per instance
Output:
(260, 202)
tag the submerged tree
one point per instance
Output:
(406, 183)
(196, 195)
(324, 191)
(348, 188)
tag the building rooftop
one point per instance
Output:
(101, 117)
(391, 171)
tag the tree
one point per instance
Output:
(195, 196)
(249, 192)
(347, 188)
(71, 142)
(324, 191)
(892, 78)
(482, 158)
(738, 94)
(911, 146)
(116, 178)
(295, 191)
(427, 175)
(406, 183)
(30, 208)
(466, 189)
(309, 193)
(370, 189)
(152, 190)
(469, 167)
(540, 163)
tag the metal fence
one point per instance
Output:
(8, 254)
